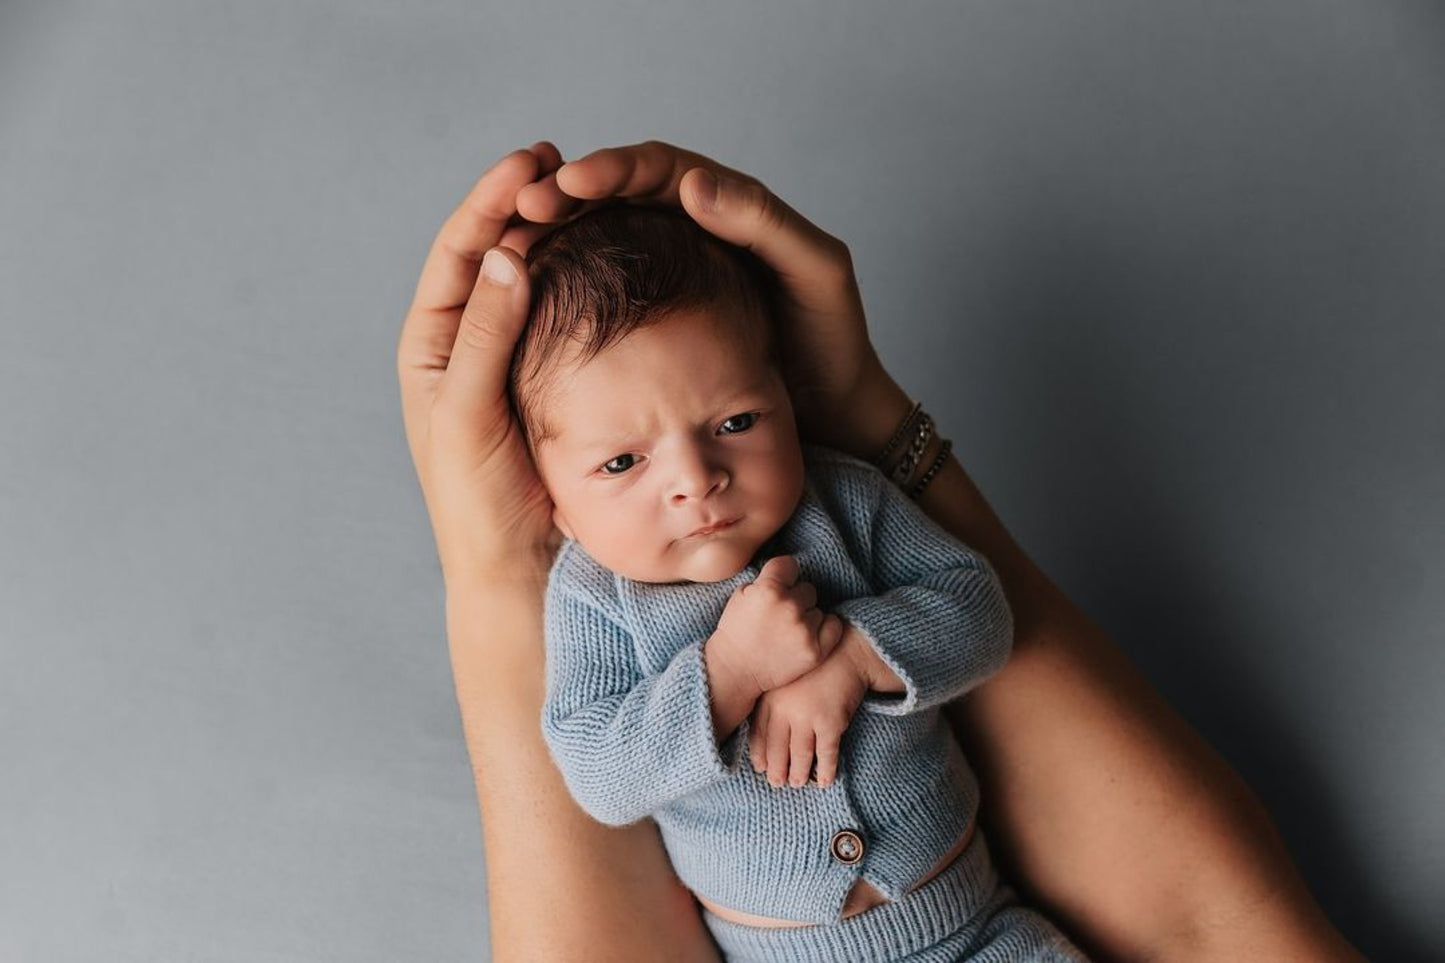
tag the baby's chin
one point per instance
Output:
(714, 561)
(712, 565)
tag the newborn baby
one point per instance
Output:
(749, 636)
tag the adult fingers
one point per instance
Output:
(737, 208)
(520, 237)
(476, 377)
(524, 233)
(546, 203)
(449, 275)
(450, 270)
(779, 735)
(547, 155)
(801, 751)
(744, 212)
(648, 171)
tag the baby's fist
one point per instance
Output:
(772, 631)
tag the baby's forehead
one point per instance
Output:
(720, 349)
(572, 386)
(714, 331)
(579, 411)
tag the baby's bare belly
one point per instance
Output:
(861, 897)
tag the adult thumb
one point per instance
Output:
(494, 316)
(744, 212)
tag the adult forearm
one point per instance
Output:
(560, 884)
(1172, 856)
(1108, 811)
(1119, 819)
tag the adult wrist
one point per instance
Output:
(874, 412)
(523, 567)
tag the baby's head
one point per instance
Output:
(648, 384)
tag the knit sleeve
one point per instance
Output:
(942, 623)
(626, 743)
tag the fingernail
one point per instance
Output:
(707, 190)
(498, 269)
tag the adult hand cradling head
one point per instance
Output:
(490, 514)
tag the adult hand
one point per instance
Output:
(489, 512)
(840, 392)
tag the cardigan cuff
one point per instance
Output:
(903, 631)
(700, 737)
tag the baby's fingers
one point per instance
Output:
(827, 750)
(801, 751)
(757, 738)
(830, 633)
(778, 737)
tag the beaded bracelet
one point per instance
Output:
(937, 466)
(914, 424)
(882, 460)
(921, 426)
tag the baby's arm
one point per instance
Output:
(940, 627)
(625, 743)
(942, 624)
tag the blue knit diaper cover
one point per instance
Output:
(965, 912)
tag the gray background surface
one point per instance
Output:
(1171, 277)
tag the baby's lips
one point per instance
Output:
(718, 526)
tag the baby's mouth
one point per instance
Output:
(720, 526)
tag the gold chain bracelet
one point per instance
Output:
(918, 424)
(882, 460)
(937, 466)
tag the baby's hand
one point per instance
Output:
(806, 718)
(772, 631)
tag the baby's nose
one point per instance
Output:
(699, 480)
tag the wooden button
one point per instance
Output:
(846, 847)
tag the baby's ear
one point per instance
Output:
(561, 523)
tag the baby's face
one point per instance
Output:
(673, 428)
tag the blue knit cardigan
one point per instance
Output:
(628, 720)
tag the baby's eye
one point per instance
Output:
(622, 469)
(750, 418)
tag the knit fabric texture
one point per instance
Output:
(628, 717)
(967, 912)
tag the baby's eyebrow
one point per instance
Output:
(618, 439)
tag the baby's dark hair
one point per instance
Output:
(621, 267)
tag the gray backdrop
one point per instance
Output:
(1169, 276)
